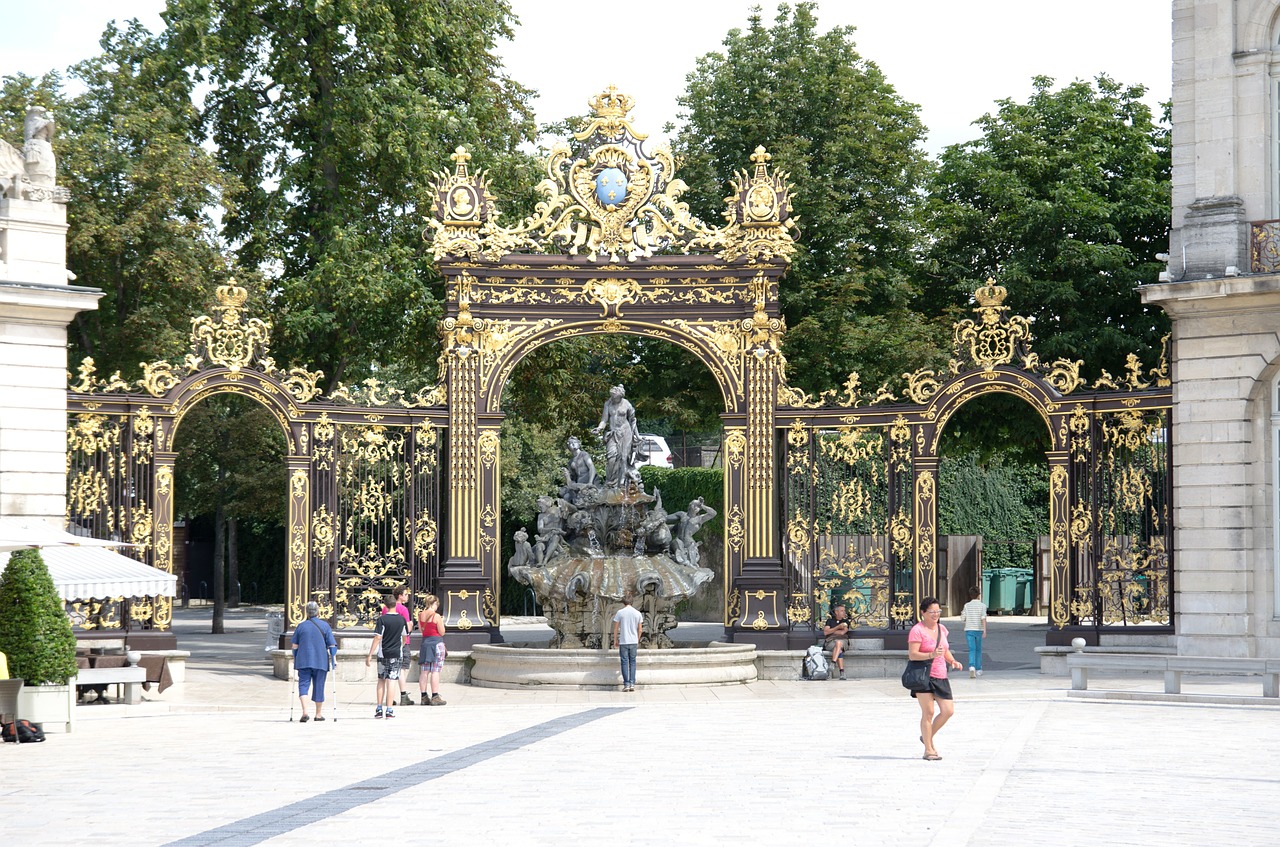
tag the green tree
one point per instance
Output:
(231, 465)
(334, 115)
(1065, 200)
(142, 188)
(35, 632)
(852, 147)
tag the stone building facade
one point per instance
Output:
(1222, 290)
(37, 302)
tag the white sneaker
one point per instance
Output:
(972, 672)
(979, 673)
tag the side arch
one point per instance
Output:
(1042, 397)
(184, 397)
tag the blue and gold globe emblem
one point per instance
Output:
(611, 187)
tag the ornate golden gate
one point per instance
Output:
(628, 258)
(363, 468)
(866, 468)
(368, 510)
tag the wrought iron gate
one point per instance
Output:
(860, 497)
(364, 494)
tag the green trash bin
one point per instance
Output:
(1022, 602)
(997, 594)
(1008, 579)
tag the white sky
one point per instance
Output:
(954, 58)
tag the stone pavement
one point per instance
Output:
(219, 762)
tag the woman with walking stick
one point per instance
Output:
(314, 651)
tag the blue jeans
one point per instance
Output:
(627, 657)
(974, 637)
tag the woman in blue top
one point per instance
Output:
(314, 651)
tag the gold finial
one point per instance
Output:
(990, 296)
(231, 296)
(612, 103)
(461, 157)
(761, 158)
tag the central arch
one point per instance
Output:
(500, 311)
(702, 351)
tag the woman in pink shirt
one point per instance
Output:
(928, 642)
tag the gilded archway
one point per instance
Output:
(865, 468)
(363, 500)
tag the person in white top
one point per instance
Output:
(975, 629)
(628, 626)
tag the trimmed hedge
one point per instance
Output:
(35, 632)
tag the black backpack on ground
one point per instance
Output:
(27, 732)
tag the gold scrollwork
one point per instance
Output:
(735, 445)
(735, 530)
(323, 532)
(612, 202)
(231, 342)
(799, 611)
(733, 606)
(424, 535)
(489, 443)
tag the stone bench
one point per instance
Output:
(129, 679)
(1173, 667)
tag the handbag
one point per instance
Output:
(916, 676)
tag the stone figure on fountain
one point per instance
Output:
(602, 540)
(579, 473)
(621, 439)
(684, 548)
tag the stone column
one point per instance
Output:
(36, 304)
(1226, 346)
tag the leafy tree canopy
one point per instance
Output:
(141, 186)
(1065, 200)
(852, 146)
(334, 116)
(231, 454)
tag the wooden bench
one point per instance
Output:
(129, 679)
(1173, 667)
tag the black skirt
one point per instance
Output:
(940, 688)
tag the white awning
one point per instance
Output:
(84, 568)
(82, 573)
(25, 533)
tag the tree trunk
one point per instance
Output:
(219, 566)
(233, 562)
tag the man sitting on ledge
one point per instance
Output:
(836, 635)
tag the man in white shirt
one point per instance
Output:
(628, 626)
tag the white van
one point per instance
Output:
(659, 454)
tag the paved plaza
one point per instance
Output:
(217, 761)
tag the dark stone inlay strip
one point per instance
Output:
(267, 825)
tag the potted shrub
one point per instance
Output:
(35, 634)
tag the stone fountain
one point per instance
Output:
(599, 541)
(605, 539)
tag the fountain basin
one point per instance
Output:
(500, 666)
